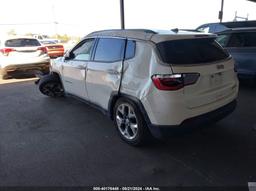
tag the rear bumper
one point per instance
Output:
(24, 68)
(159, 131)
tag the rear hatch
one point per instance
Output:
(202, 62)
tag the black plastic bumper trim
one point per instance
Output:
(162, 131)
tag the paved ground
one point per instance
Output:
(62, 142)
(16, 80)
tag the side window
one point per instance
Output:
(109, 50)
(236, 40)
(223, 39)
(245, 39)
(204, 29)
(84, 50)
(250, 39)
(130, 49)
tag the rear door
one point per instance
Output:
(104, 72)
(205, 58)
(74, 69)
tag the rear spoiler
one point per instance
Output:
(200, 34)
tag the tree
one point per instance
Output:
(29, 34)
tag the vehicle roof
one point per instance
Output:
(233, 24)
(16, 37)
(223, 26)
(150, 35)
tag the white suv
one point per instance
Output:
(22, 55)
(148, 82)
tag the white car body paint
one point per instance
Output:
(165, 108)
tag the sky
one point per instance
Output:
(80, 17)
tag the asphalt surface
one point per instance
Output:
(63, 142)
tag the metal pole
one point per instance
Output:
(221, 11)
(122, 14)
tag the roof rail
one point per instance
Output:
(135, 30)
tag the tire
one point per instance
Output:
(51, 86)
(129, 123)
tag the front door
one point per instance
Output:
(74, 69)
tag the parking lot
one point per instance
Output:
(63, 142)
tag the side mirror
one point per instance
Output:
(69, 55)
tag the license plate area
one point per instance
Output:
(25, 54)
(216, 79)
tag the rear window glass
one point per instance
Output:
(191, 51)
(22, 42)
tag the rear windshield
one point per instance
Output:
(22, 42)
(191, 51)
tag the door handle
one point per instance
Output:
(114, 72)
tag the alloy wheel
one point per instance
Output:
(126, 120)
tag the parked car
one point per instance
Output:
(54, 50)
(219, 27)
(148, 81)
(241, 44)
(46, 38)
(19, 55)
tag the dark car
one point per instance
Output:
(219, 27)
(241, 44)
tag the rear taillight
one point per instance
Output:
(6, 51)
(174, 81)
(43, 49)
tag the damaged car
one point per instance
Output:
(148, 82)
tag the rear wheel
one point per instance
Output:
(130, 123)
(51, 86)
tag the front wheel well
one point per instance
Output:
(56, 74)
(112, 104)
